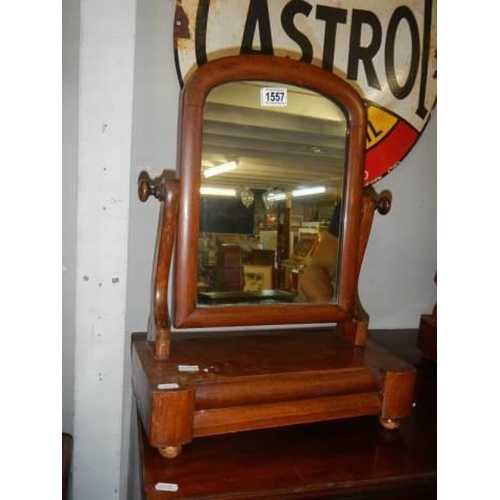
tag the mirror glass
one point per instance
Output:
(272, 181)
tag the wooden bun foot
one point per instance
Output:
(170, 451)
(389, 423)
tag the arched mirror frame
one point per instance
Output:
(186, 312)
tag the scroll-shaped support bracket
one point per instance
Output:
(356, 328)
(165, 189)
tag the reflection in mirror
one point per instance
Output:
(272, 178)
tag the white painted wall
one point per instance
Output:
(107, 32)
(156, 94)
(397, 279)
(70, 65)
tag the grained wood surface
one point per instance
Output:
(264, 380)
(354, 458)
(250, 354)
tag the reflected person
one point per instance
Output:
(319, 277)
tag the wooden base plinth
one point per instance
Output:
(224, 385)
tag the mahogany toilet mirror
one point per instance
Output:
(271, 158)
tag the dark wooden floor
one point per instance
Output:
(350, 459)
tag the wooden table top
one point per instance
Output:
(353, 458)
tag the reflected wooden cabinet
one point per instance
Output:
(269, 359)
(230, 268)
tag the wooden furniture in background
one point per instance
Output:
(230, 268)
(262, 257)
(67, 452)
(342, 459)
(427, 333)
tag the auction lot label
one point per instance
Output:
(385, 49)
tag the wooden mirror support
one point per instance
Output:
(199, 382)
(166, 190)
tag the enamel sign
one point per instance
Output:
(385, 50)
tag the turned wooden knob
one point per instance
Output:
(384, 204)
(147, 187)
(144, 190)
